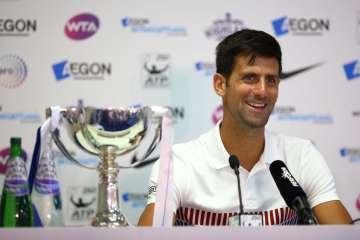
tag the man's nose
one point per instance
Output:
(260, 88)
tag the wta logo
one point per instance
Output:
(217, 114)
(358, 203)
(82, 26)
(13, 71)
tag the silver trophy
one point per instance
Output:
(109, 133)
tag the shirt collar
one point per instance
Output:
(221, 156)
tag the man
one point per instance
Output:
(205, 192)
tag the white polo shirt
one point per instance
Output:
(205, 187)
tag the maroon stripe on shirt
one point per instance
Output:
(191, 220)
(277, 219)
(271, 213)
(202, 217)
(225, 217)
(218, 222)
(186, 217)
(266, 218)
(207, 222)
(213, 216)
(281, 215)
(197, 216)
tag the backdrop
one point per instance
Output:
(158, 52)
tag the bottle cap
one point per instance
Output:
(15, 141)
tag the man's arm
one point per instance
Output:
(147, 215)
(146, 218)
(332, 212)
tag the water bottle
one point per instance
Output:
(16, 208)
(45, 195)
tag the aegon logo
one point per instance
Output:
(352, 70)
(136, 199)
(142, 25)
(300, 26)
(17, 27)
(81, 70)
(208, 68)
(353, 154)
(82, 26)
(13, 71)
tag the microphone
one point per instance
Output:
(292, 193)
(234, 164)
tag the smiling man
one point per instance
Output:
(204, 191)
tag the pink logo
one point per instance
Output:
(358, 203)
(4, 154)
(217, 114)
(82, 26)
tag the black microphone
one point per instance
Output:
(234, 164)
(292, 193)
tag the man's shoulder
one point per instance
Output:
(287, 139)
(194, 145)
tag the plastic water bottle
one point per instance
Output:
(45, 195)
(16, 208)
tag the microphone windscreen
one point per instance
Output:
(289, 188)
(234, 162)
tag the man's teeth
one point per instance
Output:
(257, 105)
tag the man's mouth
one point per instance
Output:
(259, 106)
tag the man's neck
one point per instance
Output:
(246, 143)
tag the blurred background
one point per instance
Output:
(158, 52)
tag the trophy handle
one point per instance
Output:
(143, 161)
(56, 137)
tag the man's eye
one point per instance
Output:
(249, 77)
(272, 80)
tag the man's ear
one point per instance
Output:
(219, 84)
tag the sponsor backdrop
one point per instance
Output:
(157, 52)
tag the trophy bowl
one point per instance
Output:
(107, 133)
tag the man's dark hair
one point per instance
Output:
(246, 42)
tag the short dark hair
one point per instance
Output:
(245, 42)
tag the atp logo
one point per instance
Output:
(352, 70)
(82, 26)
(156, 70)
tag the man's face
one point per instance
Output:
(251, 91)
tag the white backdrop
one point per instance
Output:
(133, 38)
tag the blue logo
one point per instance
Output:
(288, 114)
(221, 28)
(81, 70)
(135, 199)
(300, 26)
(280, 26)
(208, 68)
(142, 25)
(59, 70)
(352, 70)
(21, 117)
(353, 154)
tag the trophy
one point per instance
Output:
(109, 133)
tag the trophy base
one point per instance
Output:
(111, 220)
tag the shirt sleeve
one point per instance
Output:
(319, 183)
(153, 188)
